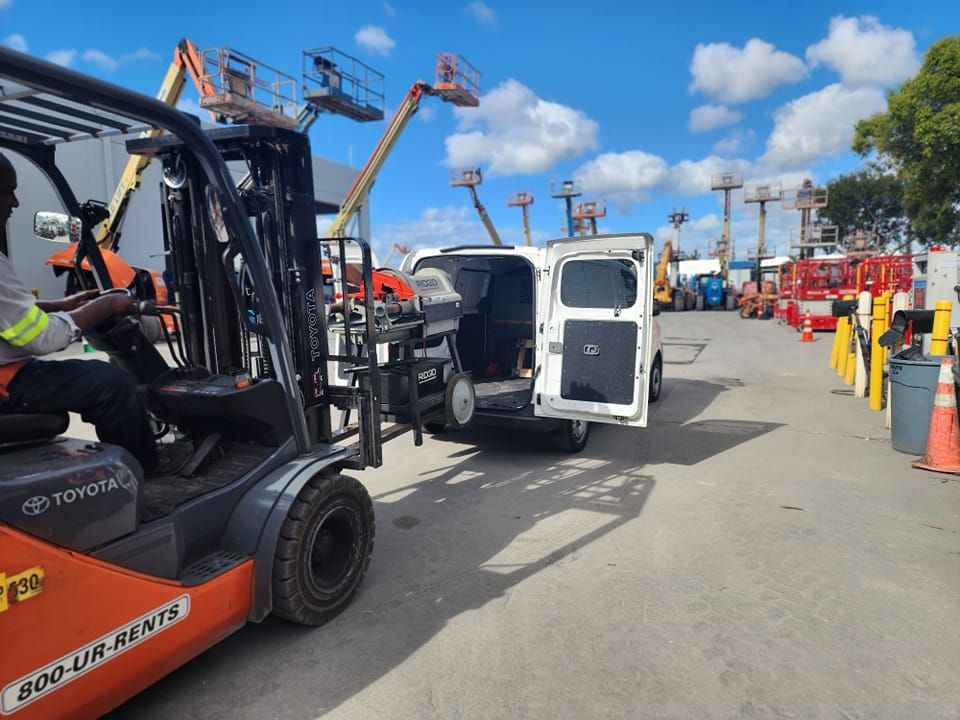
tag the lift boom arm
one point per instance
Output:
(186, 60)
(364, 181)
(487, 222)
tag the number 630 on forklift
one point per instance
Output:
(99, 562)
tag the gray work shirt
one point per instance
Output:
(26, 331)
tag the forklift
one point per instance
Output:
(110, 579)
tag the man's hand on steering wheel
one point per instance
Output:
(116, 302)
(72, 302)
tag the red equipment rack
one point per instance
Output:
(818, 281)
(885, 273)
(785, 291)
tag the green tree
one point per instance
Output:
(920, 136)
(870, 199)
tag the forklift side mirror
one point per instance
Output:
(57, 227)
(656, 307)
(215, 211)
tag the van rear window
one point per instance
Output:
(598, 284)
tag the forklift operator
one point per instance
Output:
(103, 394)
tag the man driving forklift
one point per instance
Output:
(103, 394)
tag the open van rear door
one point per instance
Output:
(594, 332)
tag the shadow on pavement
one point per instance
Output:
(445, 546)
(500, 508)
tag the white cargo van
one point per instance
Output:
(558, 337)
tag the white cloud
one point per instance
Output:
(389, 10)
(141, 53)
(623, 176)
(692, 177)
(818, 124)
(16, 41)
(375, 39)
(735, 75)
(4, 4)
(62, 57)
(109, 64)
(708, 222)
(733, 143)
(101, 59)
(865, 52)
(709, 116)
(514, 131)
(481, 12)
(443, 227)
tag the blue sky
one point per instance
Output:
(640, 101)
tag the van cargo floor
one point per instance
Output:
(503, 393)
(162, 495)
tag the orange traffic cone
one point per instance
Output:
(807, 328)
(943, 440)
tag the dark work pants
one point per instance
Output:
(103, 394)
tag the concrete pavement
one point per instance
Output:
(759, 551)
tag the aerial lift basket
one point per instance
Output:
(248, 92)
(466, 177)
(456, 80)
(342, 85)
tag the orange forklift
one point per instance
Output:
(110, 579)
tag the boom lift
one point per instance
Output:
(232, 86)
(455, 81)
(523, 199)
(470, 178)
(588, 211)
(260, 520)
(677, 297)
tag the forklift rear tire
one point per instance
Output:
(572, 437)
(323, 550)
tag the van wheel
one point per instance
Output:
(572, 436)
(656, 378)
(323, 550)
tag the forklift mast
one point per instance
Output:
(224, 336)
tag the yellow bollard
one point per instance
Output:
(941, 328)
(835, 347)
(843, 349)
(838, 360)
(877, 352)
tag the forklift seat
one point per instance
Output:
(19, 428)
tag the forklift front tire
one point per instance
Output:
(323, 550)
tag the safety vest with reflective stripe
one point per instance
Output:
(26, 331)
